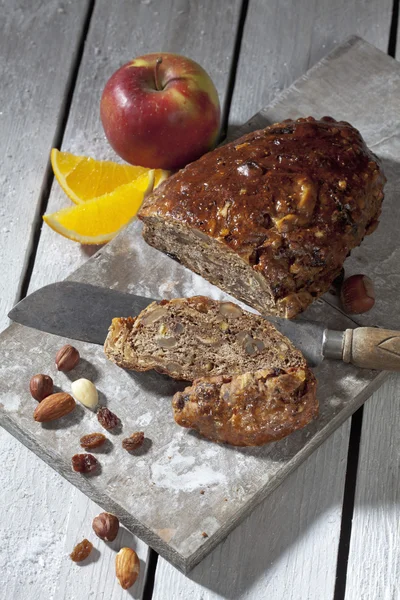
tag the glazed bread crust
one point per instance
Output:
(250, 409)
(271, 217)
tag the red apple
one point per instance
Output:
(160, 111)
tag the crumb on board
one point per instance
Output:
(204, 534)
(201, 491)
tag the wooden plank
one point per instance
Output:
(38, 45)
(282, 549)
(98, 579)
(282, 40)
(296, 38)
(36, 37)
(374, 565)
(173, 26)
(374, 559)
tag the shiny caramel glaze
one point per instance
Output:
(291, 200)
(250, 409)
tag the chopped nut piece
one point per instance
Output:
(228, 309)
(84, 463)
(134, 441)
(92, 440)
(81, 551)
(107, 418)
(162, 329)
(166, 342)
(106, 526)
(154, 315)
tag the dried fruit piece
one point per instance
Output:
(106, 526)
(127, 566)
(54, 407)
(67, 358)
(85, 392)
(107, 418)
(41, 386)
(92, 440)
(84, 463)
(134, 441)
(81, 551)
(357, 294)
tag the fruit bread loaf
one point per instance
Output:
(251, 384)
(271, 217)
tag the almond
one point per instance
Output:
(54, 407)
(127, 567)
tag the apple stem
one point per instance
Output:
(158, 62)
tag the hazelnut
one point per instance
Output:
(41, 386)
(106, 526)
(357, 294)
(67, 358)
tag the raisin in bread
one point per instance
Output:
(225, 349)
(271, 217)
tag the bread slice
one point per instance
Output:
(188, 338)
(250, 409)
(251, 384)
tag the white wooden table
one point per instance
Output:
(332, 529)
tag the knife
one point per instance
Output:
(84, 312)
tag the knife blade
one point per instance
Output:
(84, 312)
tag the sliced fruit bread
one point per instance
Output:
(250, 384)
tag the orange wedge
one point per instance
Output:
(98, 220)
(83, 178)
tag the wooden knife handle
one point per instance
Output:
(372, 348)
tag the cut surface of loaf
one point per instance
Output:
(271, 217)
(251, 385)
(250, 409)
(188, 338)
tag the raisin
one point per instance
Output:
(134, 441)
(92, 440)
(84, 463)
(81, 551)
(107, 418)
